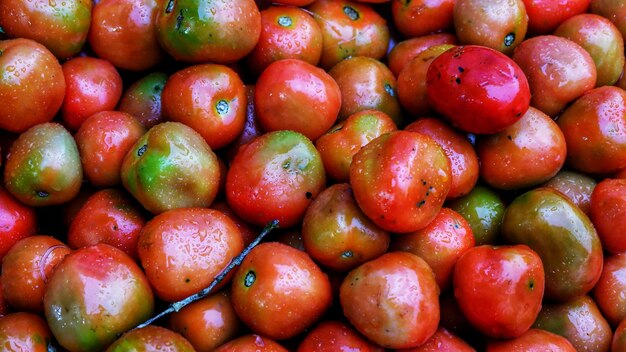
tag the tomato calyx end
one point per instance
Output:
(249, 279)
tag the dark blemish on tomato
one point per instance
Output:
(458, 80)
(422, 202)
(423, 182)
(222, 107)
(249, 279)
(187, 280)
(42, 194)
(439, 75)
(518, 114)
(284, 21)
(170, 6)
(461, 69)
(142, 150)
(531, 284)
(509, 39)
(456, 225)
(308, 195)
(389, 90)
(179, 19)
(115, 227)
(351, 13)
(509, 137)
(347, 254)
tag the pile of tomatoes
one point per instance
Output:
(444, 175)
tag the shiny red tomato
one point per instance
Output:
(331, 336)
(608, 213)
(480, 90)
(17, 221)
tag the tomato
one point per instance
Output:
(619, 338)
(43, 167)
(392, 300)
(545, 15)
(123, 33)
(576, 186)
(562, 235)
(608, 293)
(366, 84)
(92, 85)
(601, 39)
(349, 29)
(593, 127)
(478, 89)
(220, 31)
(286, 33)
(103, 140)
(500, 289)
(460, 153)
(23, 331)
(32, 87)
(286, 86)
(525, 154)
(252, 342)
(143, 99)
(17, 221)
(441, 243)
(248, 232)
(26, 268)
(611, 9)
(608, 213)
(207, 323)
(400, 180)
(337, 234)
(499, 25)
(403, 52)
(151, 338)
(417, 18)
(275, 177)
(83, 305)
(61, 26)
(483, 209)
(182, 250)
(171, 166)
(331, 336)
(210, 99)
(558, 71)
(533, 340)
(442, 340)
(579, 321)
(278, 291)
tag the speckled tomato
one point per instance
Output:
(478, 89)
(400, 180)
(576, 186)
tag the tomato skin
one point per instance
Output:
(103, 140)
(207, 323)
(483, 209)
(558, 71)
(32, 88)
(613, 10)
(400, 180)
(608, 293)
(182, 250)
(83, 304)
(123, 33)
(392, 300)
(17, 221)
(576, 186)
(275, 177)
(441, 243)
(418, 18)
(478, 89)
(463, 160)
(278, 291)
(331, 336)
(619, 338)
(220, 31)
(43, 167)
(143, 99)
(442, 340)
(210, 99)
(61, 26)
(26, 268)
(251, 342)
(579, 321)
(608, 213)
(337, 234)
(533, 340)
(92, 85)
(403, 52)
(349, 29)
(339, 144)
(286, 33)
(593, 127)
(151, 338)
(171, 166)
(545, 15)
(23, 331)
(286, 86)
(525, 154)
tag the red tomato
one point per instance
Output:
(403, 52)
(608, 213)
(545, 15)
(143, 99)
(392, 300)
(17, 221)
(26, 269)
(92, 85)
(400, 180)
(500, 289)
(533, 340)
(442, 340)
(278, 291)
(610, 291)
(182, 250)
(248, 343)
(619, 338)
(478, 89)
(421, 17)
(332, 336)
(24, 332)
(285, 87)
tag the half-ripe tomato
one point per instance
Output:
(143, 99)
(151, 338)
(404, 51)
(480, 90)
(23, 331)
